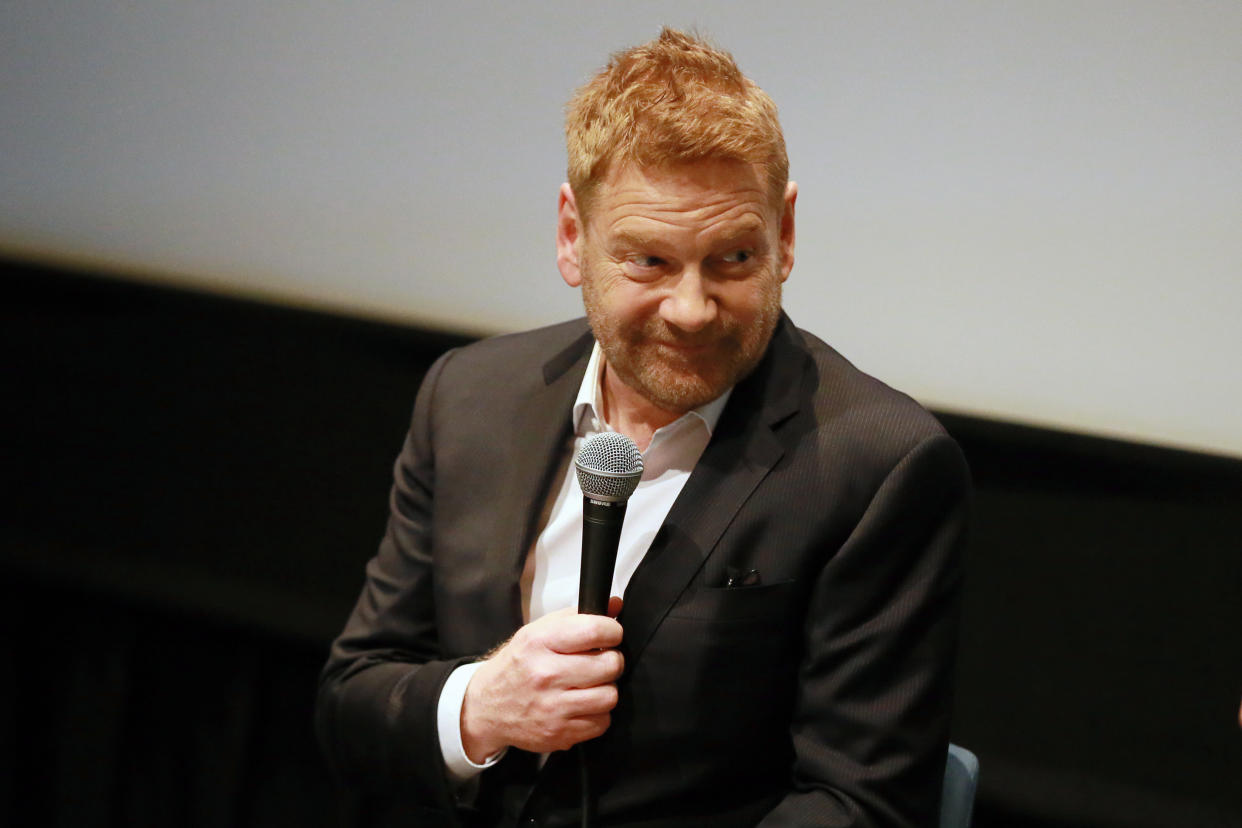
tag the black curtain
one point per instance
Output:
(194, 484)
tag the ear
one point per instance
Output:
(568, 233)
(787, 229)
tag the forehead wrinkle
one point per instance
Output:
(712, 204)
(726, 216)
(699, 202)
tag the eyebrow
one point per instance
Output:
(746, 227)
(637, 240)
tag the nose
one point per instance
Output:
(688, 306)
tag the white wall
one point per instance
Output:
(1030, 210)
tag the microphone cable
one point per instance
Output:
(609, 467)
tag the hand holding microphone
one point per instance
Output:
(548, 688)
(553, 684)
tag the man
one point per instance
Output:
(789, 569)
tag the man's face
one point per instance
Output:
(681, 272)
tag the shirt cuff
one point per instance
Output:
(448, 724)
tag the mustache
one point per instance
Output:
(658, 330)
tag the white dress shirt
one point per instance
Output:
(550, 579)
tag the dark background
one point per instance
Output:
(194, 483)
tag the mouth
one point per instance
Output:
(688, 348)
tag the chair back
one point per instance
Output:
(957, 799)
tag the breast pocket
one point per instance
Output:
(759, 605)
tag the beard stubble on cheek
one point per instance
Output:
(679, 382)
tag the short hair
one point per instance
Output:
(674, 100)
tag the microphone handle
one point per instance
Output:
(601, 534)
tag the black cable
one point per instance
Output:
(584, 777)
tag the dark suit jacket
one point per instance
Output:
(820, 696)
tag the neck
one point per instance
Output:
(631, 413)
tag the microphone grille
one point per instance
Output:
(609, 466)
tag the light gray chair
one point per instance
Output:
(961, 777)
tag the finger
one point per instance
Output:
(587, 702)
(591, 727)
(582, 633)
(573, 732)
(614, 606)
(591, 669)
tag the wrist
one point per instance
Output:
(479, 739)
(458, 764)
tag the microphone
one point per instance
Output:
(609, 467)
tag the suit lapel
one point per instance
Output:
(743, 449)
(533, 454)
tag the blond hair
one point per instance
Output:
(674, 100)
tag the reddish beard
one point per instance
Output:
(678, 371)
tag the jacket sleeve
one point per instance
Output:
(376, 708)
(871, 720)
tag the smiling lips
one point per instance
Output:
(688, 343)
(688, 347)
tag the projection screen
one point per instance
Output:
(1024, 210)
